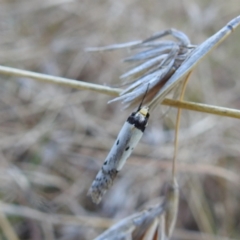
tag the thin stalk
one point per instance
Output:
(60, 81)
(220, 111)
(204, 108)
(177, 128)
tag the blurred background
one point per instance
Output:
(54, 139)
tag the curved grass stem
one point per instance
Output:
(177, 128)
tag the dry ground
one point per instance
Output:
(53, 139)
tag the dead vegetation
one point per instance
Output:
(54, 139)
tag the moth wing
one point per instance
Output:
(136, 135)
(109, 170)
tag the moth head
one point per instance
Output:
(144, 111)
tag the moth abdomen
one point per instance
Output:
(101, 184)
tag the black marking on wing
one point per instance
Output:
(230, 27)
(127, 148)
(117, 141)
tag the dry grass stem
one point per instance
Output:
(205, 108)
(59, 81)
(170, 216)
(177, 127)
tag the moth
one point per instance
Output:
(126, 141)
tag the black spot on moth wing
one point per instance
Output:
(127, 148)
(117, 141)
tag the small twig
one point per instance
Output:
(220, 111)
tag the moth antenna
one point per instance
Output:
(145, 94)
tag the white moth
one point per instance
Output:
(127, 139)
